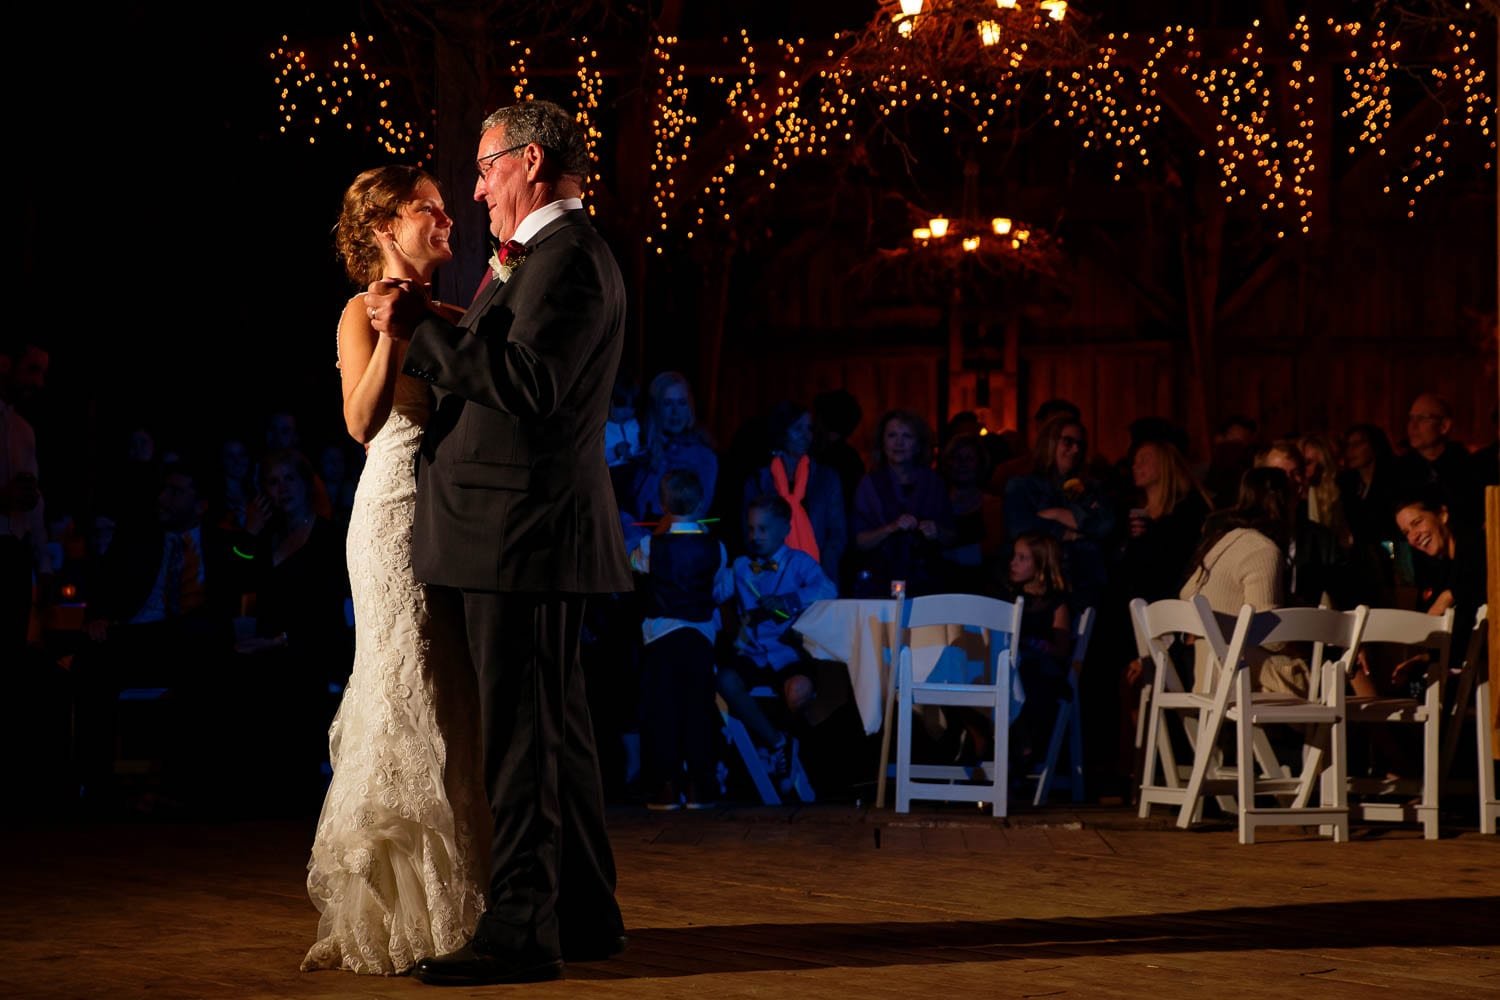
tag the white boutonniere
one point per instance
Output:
(507, 258)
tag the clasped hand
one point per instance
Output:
(777, 607)
(395, 306)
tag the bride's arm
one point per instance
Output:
(368, 364)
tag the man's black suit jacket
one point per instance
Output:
(513, 493)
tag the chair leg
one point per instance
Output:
(885, 738)
(1338, 764)
(736, 733)
(1427, 811)
(1156, 737)
(1002, 746)
(1075, 750)
(903, 750)
(1489, 808)
(1054, 745)
(1245, 767)
(1208, 728)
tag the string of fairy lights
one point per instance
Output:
(313, 96)
(977, 63)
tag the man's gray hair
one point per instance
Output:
(550, 127)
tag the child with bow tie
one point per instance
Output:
(772, 584)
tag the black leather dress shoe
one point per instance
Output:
(467, 967)
(595, 949)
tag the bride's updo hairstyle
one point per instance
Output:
(372, 201)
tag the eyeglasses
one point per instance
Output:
(484, 163)
(1072, 442)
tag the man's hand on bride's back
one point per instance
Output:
(396, 306)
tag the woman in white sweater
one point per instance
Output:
(1242, 560)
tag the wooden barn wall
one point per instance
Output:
(1328, 340)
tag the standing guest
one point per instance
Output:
(836, 414)
(673, 440)
(235, 486)
(902, 518)
(1435, 460)
(622, 432)
(687, 577)
(1022, 463)
(978, 515)
(397, 869)
(338, 471)
(1057, 500)
(1164, 527)
(1320, 465)
(1367, 492)
(773, 583)
(296, 595)
(516, 523)
(24, 557)
(810, 488)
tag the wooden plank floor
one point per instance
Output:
(820, 902)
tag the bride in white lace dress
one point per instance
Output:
(398, 860)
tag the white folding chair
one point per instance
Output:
(1158, 626)
(1434, 635)
(738, 736)
(996, 623)
(1474, 680)
(1321, 715)
(1069, 724)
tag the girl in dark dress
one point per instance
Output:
(1045, 644)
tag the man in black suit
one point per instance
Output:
(515, 523)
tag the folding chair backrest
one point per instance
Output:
(1323, 627)
(961, 609)
(994, 616)
(1411, 628)
(1158, 620)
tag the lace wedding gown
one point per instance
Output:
(397, 867)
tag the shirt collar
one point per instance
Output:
(539, 218)
(779, 557)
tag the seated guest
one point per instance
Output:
(902, 517)
(771, 587)
(1045, 643)
(1449, 562)
(1318, 567)
(1056, 500)
(1242, 560)
(685, 578)
(161, 600)
(810, 488)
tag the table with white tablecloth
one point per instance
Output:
(861, 633)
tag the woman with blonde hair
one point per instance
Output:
(1320, 467)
